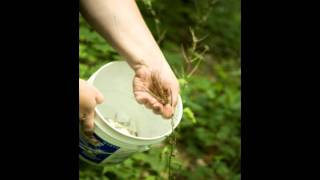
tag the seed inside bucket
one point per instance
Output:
(124, 124)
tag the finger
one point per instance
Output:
(140, 97)
(148, 105)
(149, 101)
(99, 97)
(153, 103)
(138, 84)
(143, 97)
(88, 125)
(167, 111)
(156, 104)
(156, 111)
(157, 107)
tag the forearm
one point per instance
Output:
(120, 22)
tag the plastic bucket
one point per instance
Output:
(114, 81)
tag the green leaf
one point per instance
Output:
(189, 115)
(151, 178)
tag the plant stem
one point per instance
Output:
(171, 142)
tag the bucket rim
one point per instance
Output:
(176, 121)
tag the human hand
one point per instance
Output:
(157, 88)
(88, 99)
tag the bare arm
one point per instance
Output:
(121, 23)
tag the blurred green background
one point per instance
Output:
(201, 41)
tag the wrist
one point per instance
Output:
(154, 63)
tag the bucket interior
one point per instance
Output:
(114, 81)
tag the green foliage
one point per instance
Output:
(93, 50)
(217, 20)
(201, 41)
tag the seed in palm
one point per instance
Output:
(157, 90)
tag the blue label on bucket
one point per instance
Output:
(95, 152)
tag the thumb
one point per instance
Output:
(167, 111)
(99, 97)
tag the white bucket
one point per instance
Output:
(114, 81)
